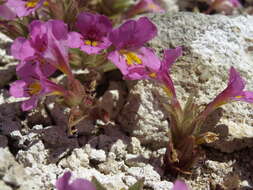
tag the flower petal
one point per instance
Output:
(236, 83)
(103, 44)
(21, 49)
(81, 184)
(58, 29)
(170, 56)
(133, 34)
(149, 58)
(246, 96)
(75, 40)
(7, 12)
(62, 182)
(18, 89)
(30, 104)
(93, 26)
(180, 185)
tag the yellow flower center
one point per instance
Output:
(91, 43)
(153, 75)
(35, 88)
(153, 6)
(33, 3)
(131, 57)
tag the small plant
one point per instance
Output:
(188, 122)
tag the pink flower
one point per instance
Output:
(233, 92)
(34, 85)
(39, 46)
(94, 29)
(180, 185)
(144, 6)
(160, 73)
(77, 184)
(129, 40)
(20, 8)
(57, 50)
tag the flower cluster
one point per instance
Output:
(46, 49)
(47, 45)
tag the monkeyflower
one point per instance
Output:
(20, 8)
(94, 30)
(225, 6)
(233, 92)
(63, 183)
(129, 40)
(158, 72)
(144, 6)
(33, 85)
(46, 44)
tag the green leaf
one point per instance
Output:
(138, 185)
(97, 184)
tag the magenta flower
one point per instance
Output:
(159, 73)
(128, 41)
(180, 185)
(34, 85)
(144, 6)
(233, 92)
(94, 29)
(57, 48)
(78, 184)
(38, 47)
(20, 8)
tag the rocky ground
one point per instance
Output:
(35, 149)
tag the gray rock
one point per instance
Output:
(162, 185)
(36, 154)
(113, 99)
(8, 69)
(12, 173)
(135, 160)
(112, 182)
(147, 172)
(78, 158)
(119, 149)
(135, 146)
(4, 186)
(143, 116)
(7, 73)
(3, 141)
(171, 5)
(97, 155)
